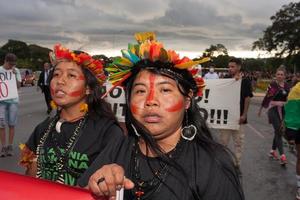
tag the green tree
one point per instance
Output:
(216, 50)
(283, 36)
(17, 47)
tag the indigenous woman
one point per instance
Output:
(274, 101)
(63, 147)
(169, 153)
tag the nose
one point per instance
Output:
(151, 99)
(61, 79)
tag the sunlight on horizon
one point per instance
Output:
(193, 54)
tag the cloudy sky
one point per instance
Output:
(106, 26)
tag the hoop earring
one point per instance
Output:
(135, 131)
(188, 132)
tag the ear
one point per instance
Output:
(188, 100)
(87, 90)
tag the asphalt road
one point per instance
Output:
(263, 178)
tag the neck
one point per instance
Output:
(167, 144)
(72, 113)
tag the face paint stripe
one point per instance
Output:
(133, 109)
(51, 91)
(76, 93)
(81, 77)
(175, 107)
(151, 90)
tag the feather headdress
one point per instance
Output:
(83, 59)
(148, 48)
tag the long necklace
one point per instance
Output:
(146, 188)
(60, 164)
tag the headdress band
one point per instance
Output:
(83, 59)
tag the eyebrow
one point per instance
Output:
(159, 83)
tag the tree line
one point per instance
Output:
(282, 37)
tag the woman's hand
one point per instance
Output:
(108, 179)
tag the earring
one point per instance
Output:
(135, 131)
(53, 105)
(188, 132)
(84, 107)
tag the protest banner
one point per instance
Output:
(15, 187)
(116, 98)
(220, 105)
(8, 85)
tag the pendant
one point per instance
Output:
(139, 194)
(58, 125)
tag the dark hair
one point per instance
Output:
(238, 61)
(10, 57)
(97, 105)
(185, 84)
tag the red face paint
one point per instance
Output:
(76, 93)
(151, 90)
(51, 91)
(133, 109)
(81, 77)
(175, 107)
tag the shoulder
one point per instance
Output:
(104, 126)
(38, 133)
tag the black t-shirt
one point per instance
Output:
(96, 135)
(208, 178)
(246, 91)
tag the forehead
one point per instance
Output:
(66, 65)
(146, 77)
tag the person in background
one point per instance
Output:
(9, 108)
(274, 101)
(292, 123)
(62, 147)
(169, 153)
(238, 136)
(43, 83)
(211, 74)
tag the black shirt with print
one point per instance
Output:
(97, 134)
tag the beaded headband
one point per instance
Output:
(149, 49)
(82, 59)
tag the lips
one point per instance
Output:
(152, 118)
(59, 93)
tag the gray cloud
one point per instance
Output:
(109, 24)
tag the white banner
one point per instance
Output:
(220, 104)
(8, 85)
(116, 98)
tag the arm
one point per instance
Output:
(245, 111)
(18, 77)
(31, 169)
(28, 160)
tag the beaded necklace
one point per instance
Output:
(146, 188)
(61, 163)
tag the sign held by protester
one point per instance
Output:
(8, 85)
(220, 104)
(116, 98)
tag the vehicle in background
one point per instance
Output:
(28, 77)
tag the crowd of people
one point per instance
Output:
(164, 149)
